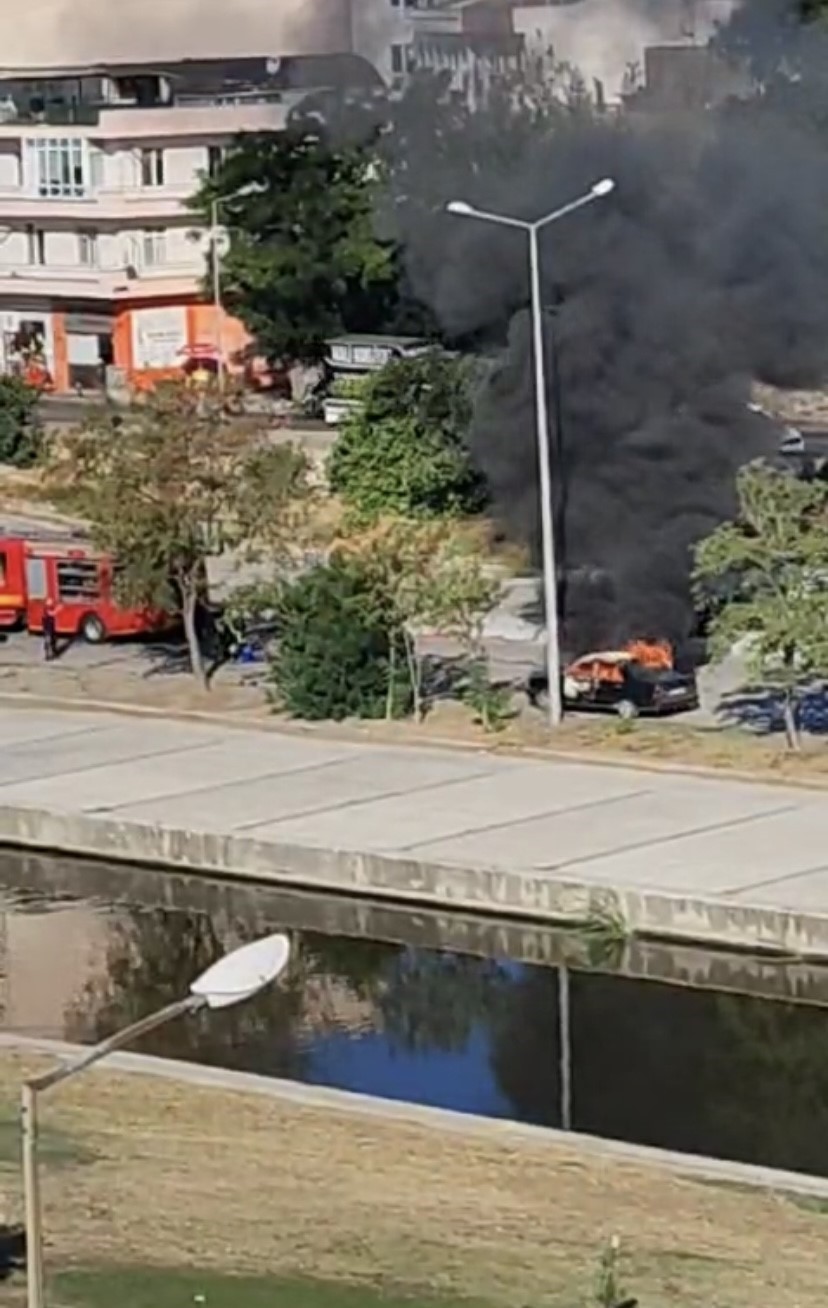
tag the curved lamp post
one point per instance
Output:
(235, 978)
(550, 579)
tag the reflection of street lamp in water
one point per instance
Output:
(232, 980)
(565, 1047)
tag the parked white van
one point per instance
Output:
(351, 359)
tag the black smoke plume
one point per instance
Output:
(706, 268)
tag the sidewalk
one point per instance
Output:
(728, 862)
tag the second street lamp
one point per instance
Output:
(550, 573)
(235, 978)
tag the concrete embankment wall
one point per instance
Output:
(411, 881)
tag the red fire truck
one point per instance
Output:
(80, 582)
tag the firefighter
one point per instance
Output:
(49, 631)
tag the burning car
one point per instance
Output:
(638, 679)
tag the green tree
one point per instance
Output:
(404, 451)
(336, 646)
(783, 43)
(428, 574)
(303, 262)
(20, 432)
(771, 566)
(171, 483)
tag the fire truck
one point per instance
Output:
(80, 583)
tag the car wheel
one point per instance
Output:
(626, 710)
(91, 629)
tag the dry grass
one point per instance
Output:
(74, 686)
(197, 1178)
(603, 739)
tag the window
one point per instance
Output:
(152, 167)
(88, 249)
(57, 167)
(36, 246)
(78, 579)
(154, 249)
(4, 568)
(397, 59)
(216, 154)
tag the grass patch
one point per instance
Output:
(809, 1203)
(55, 1148)
(149, 1287)
(249, 1195)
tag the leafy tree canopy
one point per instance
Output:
(304, 262)
(424, 574)
(170, 483)
(336, 647)
(404, 451)
(20, 431)
(332, 222)
(785, 45)
(771, 566)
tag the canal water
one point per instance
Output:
(677, 1047)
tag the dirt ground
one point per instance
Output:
(189, 1177)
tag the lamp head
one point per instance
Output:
(243, 973)
(459, 206)
(604, 187)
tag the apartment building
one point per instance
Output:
(101, 265)
(469, 39)
(473, 41)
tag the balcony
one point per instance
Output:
(105, 283)
(102, 204)
(142, 124)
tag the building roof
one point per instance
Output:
(217, 75)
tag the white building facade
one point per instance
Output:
(100, 266)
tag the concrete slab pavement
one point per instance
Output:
(720, 861)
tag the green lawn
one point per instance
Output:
(154, 1288)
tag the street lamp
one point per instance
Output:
(232, 980)
(550, 579)
(215, 276)
(217, 249)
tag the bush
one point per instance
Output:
(491, 703)
(404, 451)
(348, 388)
(336, 656)
(21, 435)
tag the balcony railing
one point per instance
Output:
(107, 282)
(103, 202)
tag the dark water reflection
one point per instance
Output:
(725, 1074)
